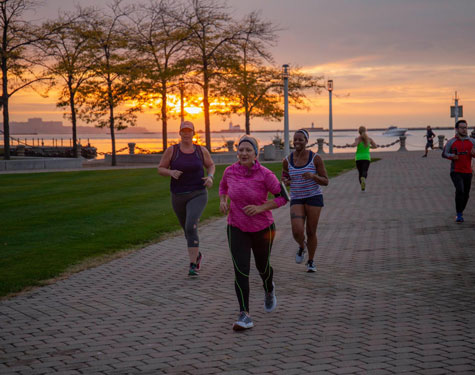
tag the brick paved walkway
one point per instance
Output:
(394, 294)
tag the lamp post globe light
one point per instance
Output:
(285, 76)
(181, 86)
(330, 116)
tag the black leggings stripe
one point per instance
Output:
(240, 244)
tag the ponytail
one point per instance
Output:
(364, 136)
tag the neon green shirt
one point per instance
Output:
(362, 152)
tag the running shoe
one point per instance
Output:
(300, 256)
(459, 218)
(244, 322)
(193, 270)
(198, 261)
(311, 266)
(363, 183)
(270, 300)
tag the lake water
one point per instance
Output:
(153, 141)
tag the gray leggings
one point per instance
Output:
(188, 208)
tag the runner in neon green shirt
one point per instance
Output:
(363, 157)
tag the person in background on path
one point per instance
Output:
(472, 135)
(184, 163)
(430, 140)
(460, 150)
(305, 173)
(243, 194)
(363, 157)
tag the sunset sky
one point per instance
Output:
(393, 62)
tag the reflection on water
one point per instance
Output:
(153, 141)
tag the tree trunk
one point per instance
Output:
(248, 122)
(6, 120)
(111, 121)
(206, 110)
(247, 116)
(73, 120)
(114, 161)
(247, 113)
(164, 117)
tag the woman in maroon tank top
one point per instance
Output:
(184, 164)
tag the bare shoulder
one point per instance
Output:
(317, 158)
(204, 150)
(169, 150)
(166, 157)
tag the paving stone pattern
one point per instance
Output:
(394, 293)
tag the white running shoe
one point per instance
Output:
(300, 256)
(311, 266)
(244, 322)
(363, 183)
(270, 300)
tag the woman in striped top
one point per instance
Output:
(305, 173)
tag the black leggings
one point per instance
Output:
(362, 166)
(188, 208)
(240, 244)
(462, 183)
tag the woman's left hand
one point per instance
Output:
(208, 182)
(252, 210)
(308, 175)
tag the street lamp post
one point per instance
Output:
(456, 107)
(182, 105)
(330, 116)
(285, 76)
(456, 110)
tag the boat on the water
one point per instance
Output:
(394, 131)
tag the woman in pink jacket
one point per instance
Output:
(243, 195)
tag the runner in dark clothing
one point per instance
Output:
(430, 140)
(460, 150)
(184, 163)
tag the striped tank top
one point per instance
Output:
(301, 188)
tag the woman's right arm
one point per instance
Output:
(223, 204)
(223, 193)
(285, 172)
(164, 166)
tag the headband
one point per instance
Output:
(248, 141)
(304, 132)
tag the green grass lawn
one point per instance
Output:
(52, 221)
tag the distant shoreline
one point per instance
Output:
(37, 127)
(321, 130)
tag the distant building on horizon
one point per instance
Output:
(234, 128)
(36, 125)
(313, 128)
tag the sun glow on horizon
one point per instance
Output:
(192, 104)
(173, 105)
